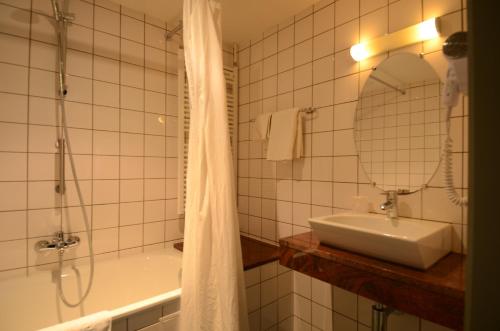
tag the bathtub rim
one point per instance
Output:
(145, 304)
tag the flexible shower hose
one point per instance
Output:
(452, 193)
(61, 20)
(85, 218)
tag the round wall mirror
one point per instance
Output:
(399, 123)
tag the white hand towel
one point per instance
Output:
(100, 321)
(285, 139)
(298, 147)
(263, 125)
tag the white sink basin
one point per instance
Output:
(415, 243)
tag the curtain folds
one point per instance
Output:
(213, 290)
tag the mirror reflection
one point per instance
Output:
(399, 123)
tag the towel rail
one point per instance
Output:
(307, 110)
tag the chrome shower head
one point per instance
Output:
(455, 46)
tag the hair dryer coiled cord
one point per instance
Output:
(452, 193)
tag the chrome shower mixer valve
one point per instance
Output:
(58, 243)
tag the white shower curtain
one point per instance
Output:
(213, 290)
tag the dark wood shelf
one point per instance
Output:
(254, 252)
(436, 294)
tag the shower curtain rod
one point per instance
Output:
(172, 32)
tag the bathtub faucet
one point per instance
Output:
(58, 243)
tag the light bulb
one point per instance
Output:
(428, 29)
(359, 52)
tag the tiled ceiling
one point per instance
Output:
(241, 19)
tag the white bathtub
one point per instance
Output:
(125, 285)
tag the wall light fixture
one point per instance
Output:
(425, 30)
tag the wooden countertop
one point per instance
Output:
(254, 252)
(436, 294)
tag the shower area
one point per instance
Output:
(95, 126)
(89, 157)
(93, 100)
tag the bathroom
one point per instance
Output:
(326, 221)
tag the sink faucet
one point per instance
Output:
(391, 205)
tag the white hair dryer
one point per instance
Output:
(455, 50)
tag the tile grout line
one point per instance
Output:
(27, 144)
(143, 135)
(92, 174)
(165, 111)
(119, 152)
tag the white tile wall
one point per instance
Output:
(305, 61)
(269, 297)
(122, 109)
